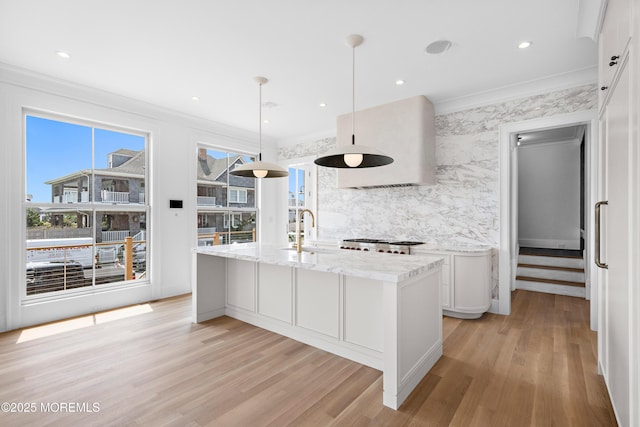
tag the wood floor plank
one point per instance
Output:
(536, 367)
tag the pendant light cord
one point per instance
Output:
(353, 96)
(260, 121)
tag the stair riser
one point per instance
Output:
(551, 261)
(542, 273)
(573, 291)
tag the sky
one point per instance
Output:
(56, 149)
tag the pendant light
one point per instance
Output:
(354, 156)
(260, 169)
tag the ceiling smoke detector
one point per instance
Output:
(438, 47)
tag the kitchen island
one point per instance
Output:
(381, 310)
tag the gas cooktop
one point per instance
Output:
(376, 245)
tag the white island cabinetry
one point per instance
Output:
(379, 310)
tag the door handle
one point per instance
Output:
(599, 262)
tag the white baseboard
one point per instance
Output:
(415, 375)
(494, 307)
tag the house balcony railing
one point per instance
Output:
(114, 196)
(206, 201)
(141, 198)
(115, 235)
(72, 197)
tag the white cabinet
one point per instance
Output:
(242, 276)
(274, 292)
(318, 301)
(617, 333)
(466, 283)
(612, 44)
(472, 285)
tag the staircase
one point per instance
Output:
(552, 271)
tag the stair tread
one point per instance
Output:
(558, 282)
(552, 267)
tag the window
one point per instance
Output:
(85, 206)
(237, 195)
(300, 197)
(226, 203)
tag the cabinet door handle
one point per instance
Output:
(598, 261)
(612, 63)
(604, 88)
(614, 57)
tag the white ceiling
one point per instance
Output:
(164, 52)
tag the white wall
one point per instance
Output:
(549, 195)
(172, 153)
(464, 206)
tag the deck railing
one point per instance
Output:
(112, 236)
(206, 201)
(115, 196)
(225, 237)
(62, 267)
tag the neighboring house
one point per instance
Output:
(219, 193)
(122, 182)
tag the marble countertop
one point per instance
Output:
(427, 248)
(370, 265)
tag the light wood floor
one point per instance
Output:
(536, 367)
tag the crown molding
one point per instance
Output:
(526, 89)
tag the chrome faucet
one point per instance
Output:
(299, 237)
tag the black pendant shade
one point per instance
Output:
(353, 156)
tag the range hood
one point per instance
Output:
(403, 130)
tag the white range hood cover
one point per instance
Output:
(404, 130)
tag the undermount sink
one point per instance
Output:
(311, 250)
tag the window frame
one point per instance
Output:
(227, 210)
(238, 191)
(310, 195)
(92, 206)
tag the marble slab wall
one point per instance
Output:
(463, 207)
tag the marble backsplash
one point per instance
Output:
(463, 207)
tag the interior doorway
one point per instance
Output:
(550, 200)
(509, 209)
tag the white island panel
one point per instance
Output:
(209, 299)
(318, 302)
(242, 275)
(363, 313)
(274, 292)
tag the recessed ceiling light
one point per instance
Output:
(265, 121)
(399, 82)
(322, 104)
(63, 55)
(438, 47)
(195, 98)
(524, 44)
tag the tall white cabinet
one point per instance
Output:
(619, 256)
